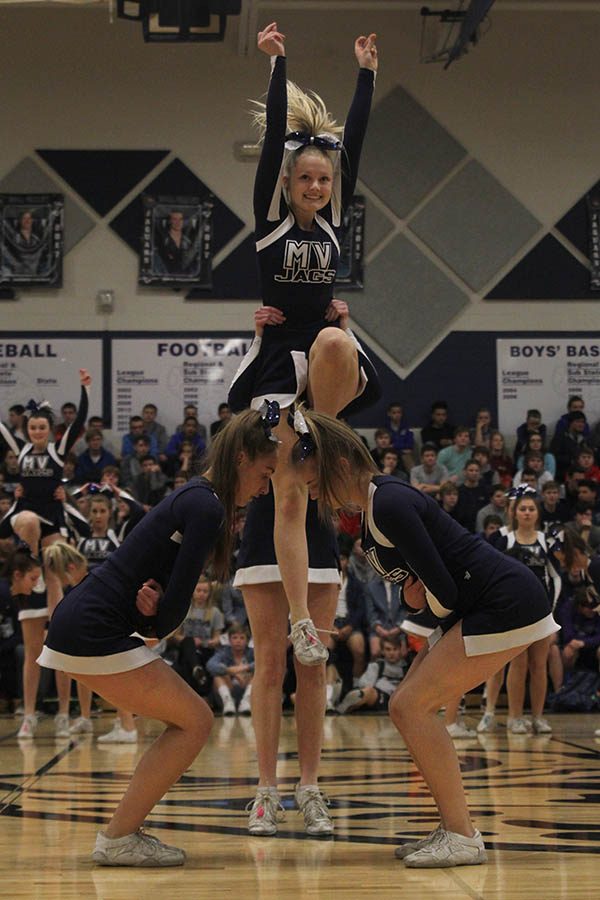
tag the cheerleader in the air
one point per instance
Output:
(303, 348)
(489, 607)
(145, 586)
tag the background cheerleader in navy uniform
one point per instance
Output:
(19, 576)
(490, 608)
(145, 586)
(305, 178)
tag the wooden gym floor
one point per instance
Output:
(536, 800)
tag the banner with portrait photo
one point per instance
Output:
(31, 239)
(350, 273)
(177, 241)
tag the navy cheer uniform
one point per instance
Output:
(91, 629)
(298, 268)
(97, 549)
(501, 604)
(256, 561)
(41, 474)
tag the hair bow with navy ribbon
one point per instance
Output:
(270, 414)
(523, 490)
(34, 407)
(296, 139)
(298, 423)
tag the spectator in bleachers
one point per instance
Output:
(190, 410)
(198, 637)
(136, 431)
(392, 464)
(489, 476)
(499, 459)
(69, 472)
(68, 412)
(233, 606)
(17, 421)
(554, 510)
(449, 498)
(383, 442)
(92, 461)
(473, 495)
(150, 485)
(573, 477)
(566, 444)
(438, 430)
(232, 668)
(430, 475)
(491, 525)
(131, 464)
(585, 459)
(583, 524)
(350, 621)
(580, 631)
(381, 678)
(587, 492)
(496, 507)
(535, 442)
(384, 612)
(224, 414)
(154, 429)
(402, 437)
(574, 404)
(483, 430)
(11, 471)
(358, 564)
(534, 462)
(456, 456)
(189, 434)
(533, 422)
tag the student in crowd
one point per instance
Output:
(430, 475)
(583, 524)
(489, 476)
(155, 430)
(483, 430)
(496, 507)
(349, 623)
(457, 455)
(190, 434)
(499, 459)
(534, 461)
(449, 498)
(381, 678)
(384, 613)
(91, 462)
(554, 511)
(224, 413)
(575, 403)
(566, 444)
(585, 459)
(232, 670)
(150, 485)
(535, 442)
(473, 495)
(438, 430)
(402, 437)
(533, 423)
(392, 464)
(136, 431)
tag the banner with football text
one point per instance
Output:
(47, 368)
(538, 373)
(172, 372)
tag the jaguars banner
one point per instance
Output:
(177, 241)
(31, 239)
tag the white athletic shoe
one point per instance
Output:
(350, 700)
(313, 804)
(61, 725)
(597, 733)
(540, 726)
(81, 725)
(487, 723)
(119, 735)
(308, 648)
(265, 811)
(137, 849)
(410, 847)
(245, 708)
(28, 726)
(459, 730)
(448, 849)
(518, 726)
(228, 707)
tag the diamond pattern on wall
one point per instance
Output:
(406, 152)
(548, 272)
(28, 178)
(176, 179)
(474, 225)
(575, 224)
(407, 301)
(103, 177)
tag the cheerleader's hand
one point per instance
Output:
(338, 311)
(413, 592)
(85, 378)
(148, 596)
(271, 41)
(365, 50)
(267, 315)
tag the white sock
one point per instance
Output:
(225, 693)
(355, 681)
(308, 787)
(329, 692)
(247, 692)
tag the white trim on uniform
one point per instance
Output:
(267, 574)
(278, 232)
(248, 358)
(328, 229)
(479, 644)
(111, 664)
(434, 604)
(377, 534)
(411, 627)
(41, 613)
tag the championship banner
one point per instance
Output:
(350, 271)
(172, 372)
(177, 241)
(31, 239)
(47, 368)
(540, 373)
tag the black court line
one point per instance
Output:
(8, 800)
